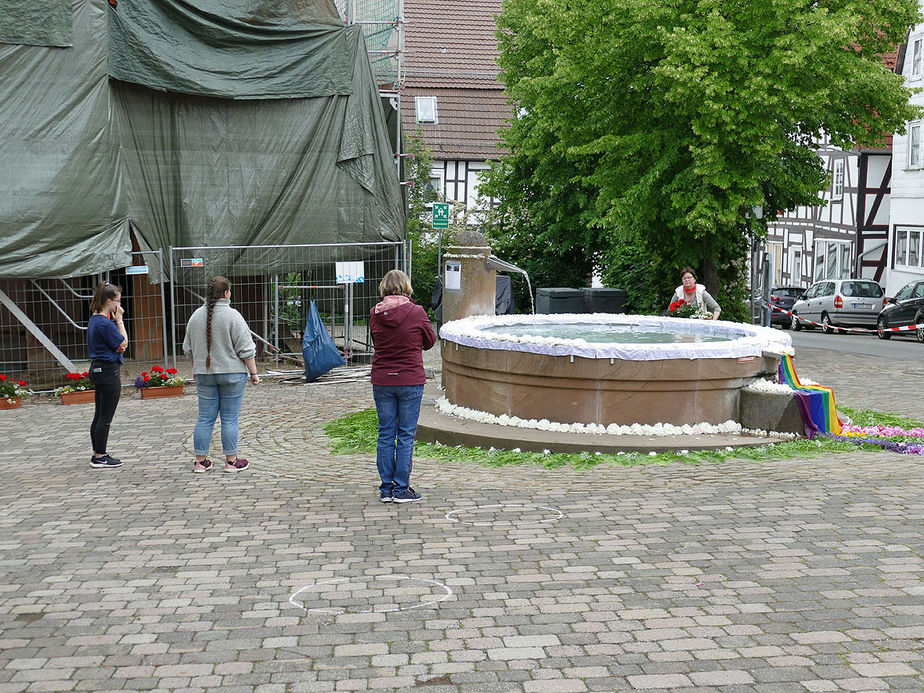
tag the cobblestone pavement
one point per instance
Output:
(796, 575)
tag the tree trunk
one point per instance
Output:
(710, 276)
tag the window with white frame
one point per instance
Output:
(426, 109)
(901, 245)
(914, 145)
(908, 246)
(916, 47)
(435, 183)
(832, 260)
(775, 251)
(795, 271)
(838, 184)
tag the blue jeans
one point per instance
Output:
(219, 393)
(398, 407)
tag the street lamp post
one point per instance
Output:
(756, 212)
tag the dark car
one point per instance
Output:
(834, 303)
(783, 297)
(906, 308)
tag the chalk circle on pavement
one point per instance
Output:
(505, 513)
(385, 593)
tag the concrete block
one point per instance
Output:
(770, 411)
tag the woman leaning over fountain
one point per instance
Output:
(695, 294)
(401, 332)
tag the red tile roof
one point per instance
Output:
(451, 41)
(450, 52)
(468, 121)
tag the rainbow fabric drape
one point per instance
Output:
(816, 403)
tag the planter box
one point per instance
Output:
(162, 391)
(78, 397)
(11, 403)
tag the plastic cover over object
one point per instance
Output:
(83, 158)
(45, 23)
(235, 49)
(209, 172)
(61, 201)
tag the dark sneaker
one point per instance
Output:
(203, 466)
(385, 495)
(239, 465)
(406, 495)
(105, 462)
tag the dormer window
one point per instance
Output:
(426, 109)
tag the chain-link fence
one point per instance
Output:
(273, 287)
(43, 322)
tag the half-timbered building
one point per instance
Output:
(451, 96)
(848, 235)
(845, 237)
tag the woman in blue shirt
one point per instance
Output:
(106, 341)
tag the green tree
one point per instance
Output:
(419, 219)
(541, 222)
(645, 130)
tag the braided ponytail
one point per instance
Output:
(215, 290)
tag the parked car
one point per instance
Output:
(839, 303)
(783, 297)
(906, 308)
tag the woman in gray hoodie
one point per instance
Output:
(223, 360)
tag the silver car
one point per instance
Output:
(839, 303)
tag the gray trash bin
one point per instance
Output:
(559, 300)
(603, 300)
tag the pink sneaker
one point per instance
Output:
(239, 465)
(202, 466)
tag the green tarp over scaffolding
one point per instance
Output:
(232, 124)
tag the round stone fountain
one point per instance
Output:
(605, 369)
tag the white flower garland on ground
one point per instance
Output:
(444, 406)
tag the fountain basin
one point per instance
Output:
(589, 374)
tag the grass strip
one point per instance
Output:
(357, 433)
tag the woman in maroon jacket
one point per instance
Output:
(401, 331)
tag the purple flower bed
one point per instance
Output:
(890, 445)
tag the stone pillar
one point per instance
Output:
(475, 281)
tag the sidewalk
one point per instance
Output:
(795, 575)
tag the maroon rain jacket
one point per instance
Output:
(401, 332)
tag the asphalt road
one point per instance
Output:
(902, 346)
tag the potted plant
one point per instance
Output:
(79, 389)
(160, 383)
(12, 392)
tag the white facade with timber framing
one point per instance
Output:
(906, 234)
(451, 97)
(826, 242)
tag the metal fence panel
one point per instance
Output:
(273, 287)
(43, 322)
